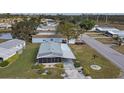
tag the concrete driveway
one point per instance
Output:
(111, 54)
(71, 71)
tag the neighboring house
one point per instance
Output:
(114, 33)
(104, 29)
(5, 26)
(47, 38)
(46, 27)
(10, 48)
(47, 33)
(54, 52)
(6, 36)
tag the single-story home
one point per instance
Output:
(54, 52)
(10, 48)
(47, 38)
(6, 36)
(114, 33)
(46, 27)
(104, 29)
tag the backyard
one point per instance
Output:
(85, 54)
(22, 67)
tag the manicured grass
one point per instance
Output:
(84, 55)
(119, 49)
(9, 61)
(2, 40)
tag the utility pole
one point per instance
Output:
(97, 19)
(87, 16)
(106, 19)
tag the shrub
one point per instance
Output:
(35, 67)
(41, 66)
(4, 63)
(40, 71)
(49, 72)
(77, 64)
(86, 72)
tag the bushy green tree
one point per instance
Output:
(87, 24)
(66, 29)
(26, 28)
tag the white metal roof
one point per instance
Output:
(11, 43)
(105, 28)
(116, 32)
(50, 26)
(5, 53)
(50, 50)
(55, 50)
(4, 25)
(67, 53)
(5, 36)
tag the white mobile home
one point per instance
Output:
(104, 29)
(10, 48)
(54, 52)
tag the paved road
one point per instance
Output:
(114, 56)
(71, 71)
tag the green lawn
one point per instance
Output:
(85, 54)
(2, 40)
(22, 67)
(9, 61)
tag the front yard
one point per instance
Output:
(22, 66)
(85, 54)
